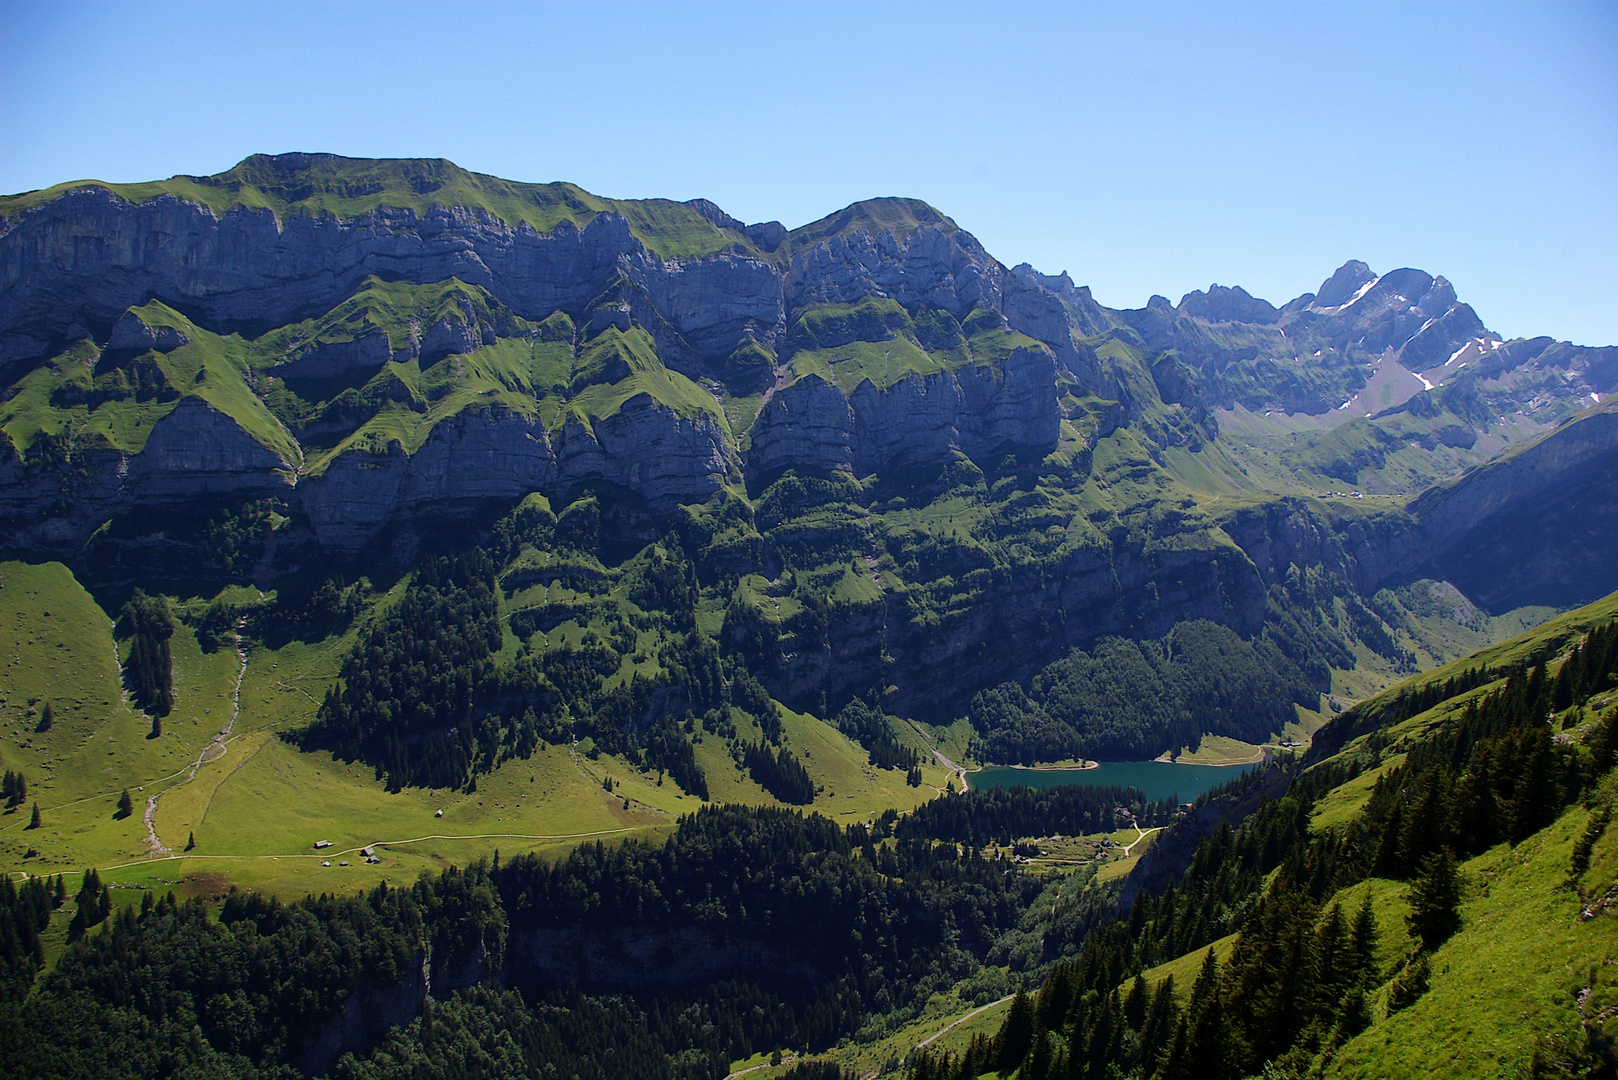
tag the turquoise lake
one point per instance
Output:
(1157, 779)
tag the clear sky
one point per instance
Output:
(1141, 147)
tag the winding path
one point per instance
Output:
(946, 1029)
(959, 772)
(1144, 833)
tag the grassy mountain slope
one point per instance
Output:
(256, 808)
(1515, 985)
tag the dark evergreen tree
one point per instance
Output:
(1435, 898)
(126, 805)
(149, 670)
(1016, 1033)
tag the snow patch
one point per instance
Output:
(1425, 385)
(1595, 397)
(1345, 405)
(1350, 302)
(1367, 287)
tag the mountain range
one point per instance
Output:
(381, 348)
(361, 521)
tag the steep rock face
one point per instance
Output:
(194, 453)
(809, 424)
(49, 505)
(478, 454)
(89, 256)
(1283, 533)
(198, 450)
(715, 303)
(666, 458)
(131, 333)
(366, 352)
(1536, 527)
(920, 420)
(949, 270)
(367, 1015)
(1020, 619)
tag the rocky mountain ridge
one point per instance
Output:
(377, 356)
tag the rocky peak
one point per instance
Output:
(1347, 280)
(133, 334)
(711, 211)
(1233, 304)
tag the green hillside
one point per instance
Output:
(1429, 897)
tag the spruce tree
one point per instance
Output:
(126, 806)
(46, 718)
(35, 822)
(1435, 898)
(1362, 943)
(1208, 1049)
(1017, 1033)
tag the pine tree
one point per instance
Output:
(46, 718)
(1362, 943)
(1208, 1049)
(1435, 897)
(191, 840)
(35, 822)
(126, 805)
(1017, 1033)
(1158, 1026)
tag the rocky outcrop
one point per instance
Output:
(132, 333)
(1533, 528)
(918, 421)
(479, 454)
(808, 425)
(368, 1013)
(336, 360)
(1170, 854)
(664, 457)
(196, 450)
(1222, 304)
(932, 266)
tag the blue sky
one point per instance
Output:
(1141, 147)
